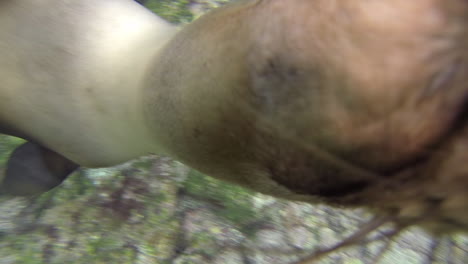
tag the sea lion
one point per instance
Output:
(351, 103)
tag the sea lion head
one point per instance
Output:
(368, 100)
(351, 103)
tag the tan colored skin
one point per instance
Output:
(71, 74)
(353, 103)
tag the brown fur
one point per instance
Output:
(353, 103)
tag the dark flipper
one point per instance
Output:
(33, 169)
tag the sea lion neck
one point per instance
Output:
(119, 44)
(78, 73)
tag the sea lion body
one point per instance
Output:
(305, 100)
(71, 74)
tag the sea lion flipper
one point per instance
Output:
(33, 169)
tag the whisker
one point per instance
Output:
(354, 239)
(390, 239)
